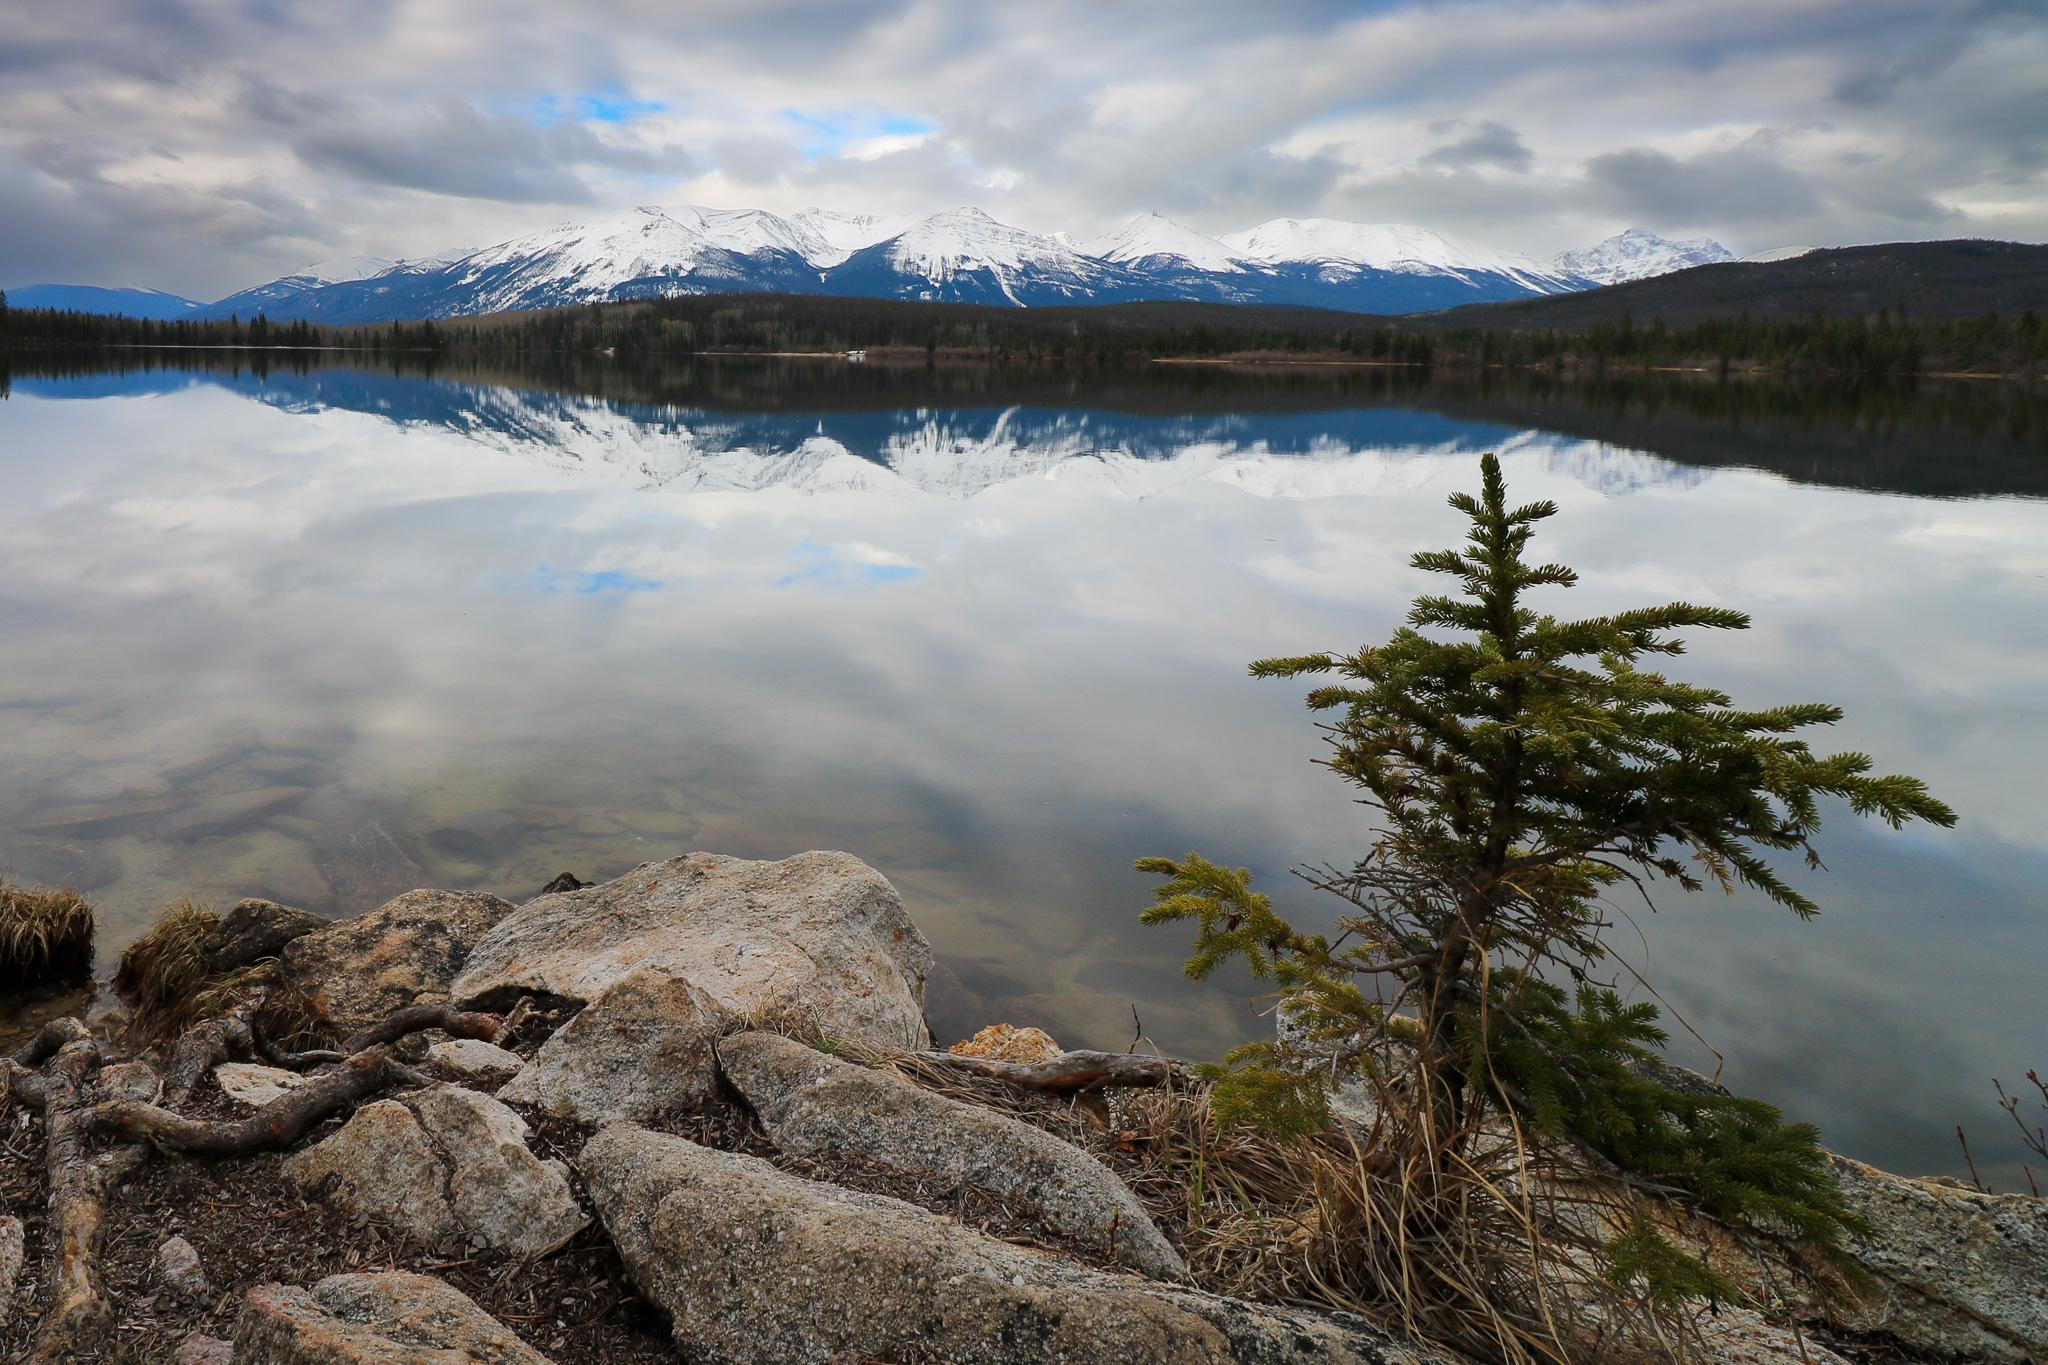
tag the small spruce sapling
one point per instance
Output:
(1521, 767)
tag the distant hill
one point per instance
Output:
(1958, 279)
(91, 298)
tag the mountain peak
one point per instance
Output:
(1634, 254)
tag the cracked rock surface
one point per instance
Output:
(811, 1104)
(442, 1162)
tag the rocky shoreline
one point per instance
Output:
(696, 1114)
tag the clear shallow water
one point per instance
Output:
(325, 636)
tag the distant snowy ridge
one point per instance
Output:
(960, 256)
(1638, 255)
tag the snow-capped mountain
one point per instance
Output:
(1637, 255)
(1151, 237)
(126, 301)
(962, 256)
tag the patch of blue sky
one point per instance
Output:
(610, 105)
(831, 132)
(831, 569)
(547, 578)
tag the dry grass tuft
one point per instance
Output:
(1486, 1252)
(46, 936)
(169, 982)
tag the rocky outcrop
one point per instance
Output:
(254, 929)
(821, 937)
(641, 1049)
(393, 1318)
(405, 952)
(441, 1162)
(757, 1267)
(1960, 1273)
(810, 1104)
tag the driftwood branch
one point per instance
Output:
(1066, 1074)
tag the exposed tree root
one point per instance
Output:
(63, 1073)
(1066, 1074)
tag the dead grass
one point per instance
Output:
(169, 982)
(46, 936)
(1488, 1253)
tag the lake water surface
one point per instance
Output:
(324, 634)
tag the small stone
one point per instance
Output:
(200, 1349)
(254, 1085)
(177, 1265)
(474, 1058)
(13, 1255)
(1003, 1043)
(129, 1081)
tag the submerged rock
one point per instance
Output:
(225, 814)
(405, 952)
(821, 936)
(392, 1318)
(810, 1104)
(757, 1267)
(643, 1048)
(441, 1162)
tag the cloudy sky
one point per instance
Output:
(204, 145)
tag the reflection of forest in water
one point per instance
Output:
(1939, 438)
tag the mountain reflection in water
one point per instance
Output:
(325, 632)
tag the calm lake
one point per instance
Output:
(325, 634)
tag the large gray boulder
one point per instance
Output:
(811, 1104)
(758, 1267)
(440, 1162)
(388, 1318)
(1959, 1273)
(641, 1049)
(820, 936)
(405, 952)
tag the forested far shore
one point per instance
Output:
(1881, 343)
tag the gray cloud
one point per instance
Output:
(1490, 144)
(143, 140)
(1738, 187)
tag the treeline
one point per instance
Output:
(1887, 343)
(811, 323)
(1881, 343)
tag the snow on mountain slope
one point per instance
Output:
(1151, 236)
(1394, 247)
(343, 268)
(1637, 255)
(846, 233)
(1779, 253)
(968, 257)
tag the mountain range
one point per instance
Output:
(962, 256)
